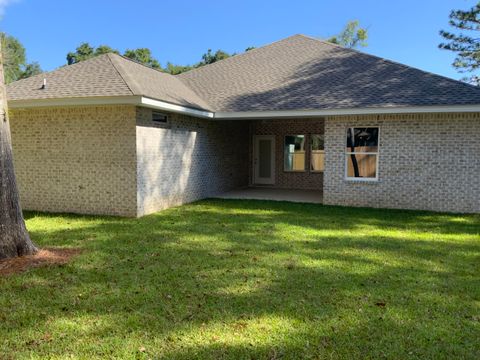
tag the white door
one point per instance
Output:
(264, 159)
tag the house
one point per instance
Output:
(111, 136)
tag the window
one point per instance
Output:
(317, 153)
(294, 150)
(362, 153)
(159, 117)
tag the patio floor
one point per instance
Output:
(261, 193)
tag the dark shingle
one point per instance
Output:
(303, 73)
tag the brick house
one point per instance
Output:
(110, 136)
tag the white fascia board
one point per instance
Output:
(332, 112)
(112, 100)
(162, 105)
(100, 100)
(165, 106)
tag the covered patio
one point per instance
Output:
(269, 193)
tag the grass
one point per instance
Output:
(250, 279)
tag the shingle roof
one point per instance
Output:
(303, 73)
(106, 75)
(297, 73)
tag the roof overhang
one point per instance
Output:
(113, 100)
(244, 115)
(353, 111)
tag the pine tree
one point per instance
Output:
(467, 47)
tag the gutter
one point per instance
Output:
(138, 100)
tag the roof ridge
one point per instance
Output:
(236, 56)
(127, 79)
(389, 61)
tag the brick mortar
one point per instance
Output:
(76, 159)
(280, 128)
(435, 167)
(188, 159)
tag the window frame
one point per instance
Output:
(311, 149)
(348, 153)
(305, 160)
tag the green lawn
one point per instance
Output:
(250, 279)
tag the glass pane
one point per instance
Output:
(362, 139)
(317, 155)
(265, 158)
(317, 142)
(361, 166)
(294, 153)
(317, 160)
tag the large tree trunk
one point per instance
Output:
(14, 238)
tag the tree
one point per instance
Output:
(351, 36)
(14, 238)
(30, 70)
(467, 47)
(14, 59)
(84, 52)
(209, 58)
(144, 56)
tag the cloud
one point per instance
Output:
(3, 6)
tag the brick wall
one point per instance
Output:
(426, 161)
(76, 159)
(188, 159)
(281, 128)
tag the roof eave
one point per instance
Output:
(137, 100)
(349, 111)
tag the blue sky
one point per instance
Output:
(180, 31)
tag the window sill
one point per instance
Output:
(295, 171)
(362, 180)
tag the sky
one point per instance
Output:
(405, 31)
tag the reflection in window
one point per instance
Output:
(317, 155)
(294, 151)
(362, 153)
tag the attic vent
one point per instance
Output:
(159, 117)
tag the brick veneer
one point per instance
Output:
(281, 128)
(188, 159)
(426, 161)
(76, 159)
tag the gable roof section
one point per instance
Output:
(303, 73)
(106, 75)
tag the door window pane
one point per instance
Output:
(317, 155)
(294, 153)
(265, 158)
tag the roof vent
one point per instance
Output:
(44, 86)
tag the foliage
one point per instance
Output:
(210, 58)
(85, 51)
(143, 56)
(15, 64)
(31, 69)
(467, 47)
(224, 279)
(177, 69)
(351, 36)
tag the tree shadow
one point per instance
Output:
(253, 279)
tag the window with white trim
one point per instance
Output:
(361, 153)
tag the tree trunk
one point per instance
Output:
(14, 238)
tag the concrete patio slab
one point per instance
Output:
(261, 193)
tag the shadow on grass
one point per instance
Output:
(243, 279)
